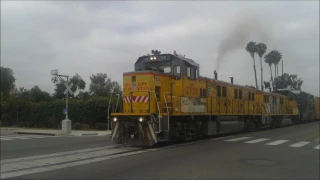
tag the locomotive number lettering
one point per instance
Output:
(191, 90)
(142, 88)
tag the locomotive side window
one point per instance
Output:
(177, 70)
(165, 69)
(274, 99)
(236, 93)
(224, 91)
(240, 94)
(192, 73)
(219, 91)
(188, 71)
(253, 98)
(249, 96)
(196, 74)
(281, 100)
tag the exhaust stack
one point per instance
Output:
(231, 78)
(215, 75)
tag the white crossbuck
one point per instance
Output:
(268, 142)
(17, 137)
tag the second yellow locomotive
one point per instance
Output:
(165, 99)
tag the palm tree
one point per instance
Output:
(261, 49)
(251, 48)
(269, 59)
(277, 59)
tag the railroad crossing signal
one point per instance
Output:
(68, 88)
(55, 80)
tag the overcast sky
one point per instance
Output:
(107, 37)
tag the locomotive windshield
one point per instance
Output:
(163, 68)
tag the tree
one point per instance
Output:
(78, 83)
(7, 81)
(269, 59)
(288, 81)
(101, 85)
(267, 85)
(37, 95)
(22, 94)
(76, 80)
(251, 48)
(261, 49)
(83, 95)
(277, 59)
(155, 52)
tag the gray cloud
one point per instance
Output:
(92, 37)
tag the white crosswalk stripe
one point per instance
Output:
(17, 137)
(274, 143)
(271, 143)
(48, 162)
(300, 144)
(238, 139)
(256, 140)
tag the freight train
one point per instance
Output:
(166, 100)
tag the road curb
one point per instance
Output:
(89, 134)
(35, 133)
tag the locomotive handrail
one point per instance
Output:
(159, 124)
(165, 100)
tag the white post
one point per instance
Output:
(66, 123)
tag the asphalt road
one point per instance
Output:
(284, 153)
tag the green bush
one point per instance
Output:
(50, 114)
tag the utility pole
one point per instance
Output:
(66, 123)
(282, 67)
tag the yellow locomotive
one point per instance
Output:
(165, 99)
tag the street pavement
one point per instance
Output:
(283, 153)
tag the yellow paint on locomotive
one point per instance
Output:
(219, 98)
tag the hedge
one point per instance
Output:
(50, 114)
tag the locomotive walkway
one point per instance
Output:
(283, 153)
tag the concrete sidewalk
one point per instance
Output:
(54, 132)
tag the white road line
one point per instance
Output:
(61, 166)
(237, 139)
(317, 147)
(214, 139)
(60, 159)
(25, 137)
(5, 161)
(21, 138)
(256, 140)
(300, 144)
(6, 139)
(277, 142)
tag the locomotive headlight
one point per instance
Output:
(140, 119)
(115, 119)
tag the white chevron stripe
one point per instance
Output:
(238, 139)
(300, 144)
(256, 140)
(277, 142)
